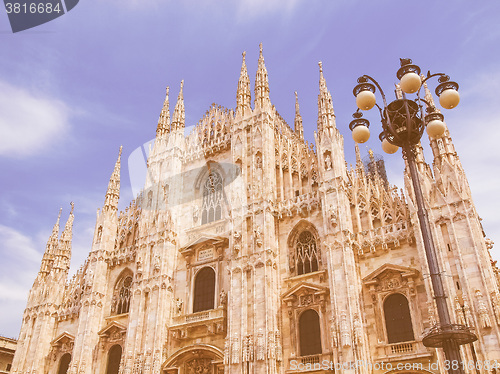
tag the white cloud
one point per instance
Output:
(16, 244)
(19, 264)
(28, 122)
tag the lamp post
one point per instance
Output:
(403, 122)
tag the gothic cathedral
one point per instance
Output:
(251, 251)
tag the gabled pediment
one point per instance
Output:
(303, 288)
(64, 338)
(210, 240)
(112, 329)
(387, 270)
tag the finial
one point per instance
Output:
(59, 216)
(320, 66)
(168, 89)
(260, 49)
(72, 207)
(120, 152)
(244, 54)
(296, 97)
(370, 152)
(182, 84)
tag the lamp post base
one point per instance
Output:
(450, 338)
(438, 336)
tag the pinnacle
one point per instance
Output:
(179, 111)
(261, 82)
(326, 114)
(164, 120)
(113, 191)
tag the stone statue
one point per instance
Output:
(328, 162)
(222, 298)
(178, 305)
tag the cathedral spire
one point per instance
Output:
(326, 115)
(63, 257)
(299, 129)
(55, 229)
(67, 234)
(113, 192)
(429, 99)
(164, 120)
(443, 147)
(359, 162)
(51, 247)
(179, 118)
(243, 95)
(261, 83)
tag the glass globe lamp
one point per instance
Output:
(359, 127)
(361, 134)
(365, 100)
(436, 128)
(410, 82)
(449, 98)
(388, 147)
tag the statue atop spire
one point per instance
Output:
(164, 120)
(179, 118)
(67, 233)
(243, 94)
(326, 115)
(261, 83)
(299, 129)
(113, 192)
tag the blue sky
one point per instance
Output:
(75, 89)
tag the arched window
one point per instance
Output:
(306, 253)
(204, 290)
(64, 363)
(114, 357)
(121, 296)
(398, 319)
(309, 333)
(212, 198)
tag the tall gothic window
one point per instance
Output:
(64, 363)
(398, 319)
(114, 357)
(306, 253)
(212, 198)
(309, 333)
(204, 290)
(121, 296)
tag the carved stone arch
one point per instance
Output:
(197, 355)
(125, 272)
(302, 225)
(122, 292)
(203, 267)
(304, 248)
(210, 166)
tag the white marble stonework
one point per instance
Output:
(251, 251)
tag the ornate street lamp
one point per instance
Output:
(403, 122)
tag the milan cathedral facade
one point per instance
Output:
(251, 251)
